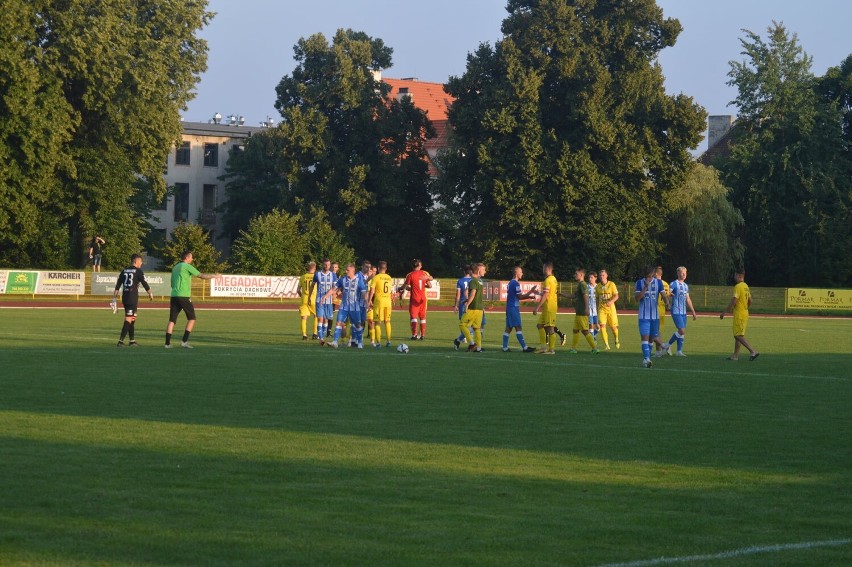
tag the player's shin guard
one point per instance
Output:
(604, 336)
(423, 328)
(521, 341)
(477, 335)
(680, 339)
(551, 343)
(388, 330)
(505, 341)
(542, 337)
(646, 350)
(466, 332)
(338, 331)
(591, 340)
(124, 329)
(132, 330)
(414, 327)
(304, 326)
(673, 340)
(575, 339)
(186, 336)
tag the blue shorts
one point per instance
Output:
(649, 327)
(593, 320)
(513, 318)
(679, 321)
(324, 310)
(462, 309)
(354, 315)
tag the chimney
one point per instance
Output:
(717, 127)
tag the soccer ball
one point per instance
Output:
(402, 348)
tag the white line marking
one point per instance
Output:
(733, 553)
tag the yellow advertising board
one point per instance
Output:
(819, 299)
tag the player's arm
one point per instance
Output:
(544, 294)
(644, 291)
(471, 293)
(691, 308)
(144, 283)
(531, 293)
(428, 279)
(614, 297)
(209, 276)
(729, 308)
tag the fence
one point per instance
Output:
(704, 297)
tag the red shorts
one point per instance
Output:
(417, 310)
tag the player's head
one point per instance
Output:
(186, 256)
(547, 268)
(681, 273)
(382, 266)
(326, 265)
(335, 266)
(739, 275)
(365, 266)
(604, 275)
(650, 271)
(136, 260)
(416, 264)
(659, 271)
(467, 269)
(593, 277)
(350, 269)
(312, 267)
(580, 274)
(479, 269)
(517, 273)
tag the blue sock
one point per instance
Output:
(646, 349)
(680, 339)
(674, 340)
(521, 340)
(337, 332)
(505, 340)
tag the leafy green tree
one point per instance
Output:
(564, 141)
(790, 165)
(100, 85)
(703, 233)
(192, 237)
(343, 146)
(272, 245)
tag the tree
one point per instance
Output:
(564, 141)
(790, 165)
(98, 88)
(192, 237)
(702, 233)
(342, 146)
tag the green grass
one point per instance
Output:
(255, 448)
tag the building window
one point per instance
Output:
(181, 202)
(208, 205)
(211, 155)
(182, 154)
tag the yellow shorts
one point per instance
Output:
(581, 322)
(381, 312)
(547, 318)
(307, 310)
(472, 318)
(608, 317)
(740, 324)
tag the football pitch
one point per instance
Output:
(256, 448)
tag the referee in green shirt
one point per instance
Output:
(182, 275)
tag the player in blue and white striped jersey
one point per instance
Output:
(680, 301)
(648, 291)
(351, 288)
(594, 323)
(324, 281)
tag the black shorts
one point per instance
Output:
(178, 304)
(130, 303)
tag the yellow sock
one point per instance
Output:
(477, 335)
(552, 342)
(591, 340)
(615, 334)
(316, 324)
(388, 330)
(575, 340)
(372, 333)
(466, 332)
(377, 332)
(604, 336)
(304, 326)
(542, 337)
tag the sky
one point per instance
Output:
(250, 43)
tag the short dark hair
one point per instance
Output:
(133, 257)
(185, 254)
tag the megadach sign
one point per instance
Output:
(819, 299)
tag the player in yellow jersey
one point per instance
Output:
(607, 294)
(547, 305)
(662, 303)
(739, 306)
(309, 296)
(380, 304)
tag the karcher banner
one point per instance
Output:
(819, 299)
